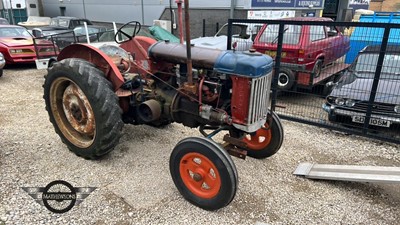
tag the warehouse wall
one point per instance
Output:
(122, 11)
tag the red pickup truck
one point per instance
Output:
(309, 52)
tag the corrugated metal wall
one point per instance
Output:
(122, 11)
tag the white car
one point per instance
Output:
(242, 38)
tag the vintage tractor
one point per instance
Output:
(91, 92)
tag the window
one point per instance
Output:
(62, 11)
(18, 5)
(291, 34)
(317, 33)
(331, 30)
(33, 6)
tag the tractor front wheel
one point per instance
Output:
(204, 173)
(266, 141)
(82, 107)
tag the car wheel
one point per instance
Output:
(286, 79)
(318, 68)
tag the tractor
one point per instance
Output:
(90, 93)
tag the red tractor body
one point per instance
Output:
(91, 92)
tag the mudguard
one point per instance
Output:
(97, 57)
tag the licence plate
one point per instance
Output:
(372, 121)
(273, 53)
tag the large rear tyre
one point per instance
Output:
(82, 107)
(266, 141)
(204, 173)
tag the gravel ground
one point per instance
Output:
(134, 185)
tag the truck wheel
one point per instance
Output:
(82, 107)
(286, 79)
(266, 141)
(318, 68)
(204, 173)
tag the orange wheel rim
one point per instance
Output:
(260, 140)
(200, 175)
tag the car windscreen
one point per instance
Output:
(59, 23)
(366, 65)
(291, 34)
(14, 32)
(82, 31)
(238, 30)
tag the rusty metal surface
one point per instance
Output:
(95, 56)
(189, 74)
(150, 110)
(123, 93)
(234, 141)
(176, 53)
(190, 88)
(72, 112)
(78, 111)
(239, 153)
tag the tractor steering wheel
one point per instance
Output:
(127, 32)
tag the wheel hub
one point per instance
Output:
(200, 175)
(283, 79)
(197, 177)
(77, 110)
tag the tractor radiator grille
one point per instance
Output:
(259, 99)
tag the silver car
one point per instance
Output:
(349, 99)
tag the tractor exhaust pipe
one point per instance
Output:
(149, 110)
(188, 46)
(180, 21)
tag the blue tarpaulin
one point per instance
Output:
(363, 36)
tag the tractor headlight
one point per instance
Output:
(340, 101)
(397, 108)
(350, 102)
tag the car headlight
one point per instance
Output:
(15, 51)
(46, 50)
(397, 108)
(350, 102)
(340, 101)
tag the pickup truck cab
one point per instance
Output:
(60, 24)
(306, 50)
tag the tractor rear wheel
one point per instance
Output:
(266, 141)
(82, 107)
(204, 173)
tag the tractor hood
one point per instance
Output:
(16, 41)
(247, 64)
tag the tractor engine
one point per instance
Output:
(229, 88)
